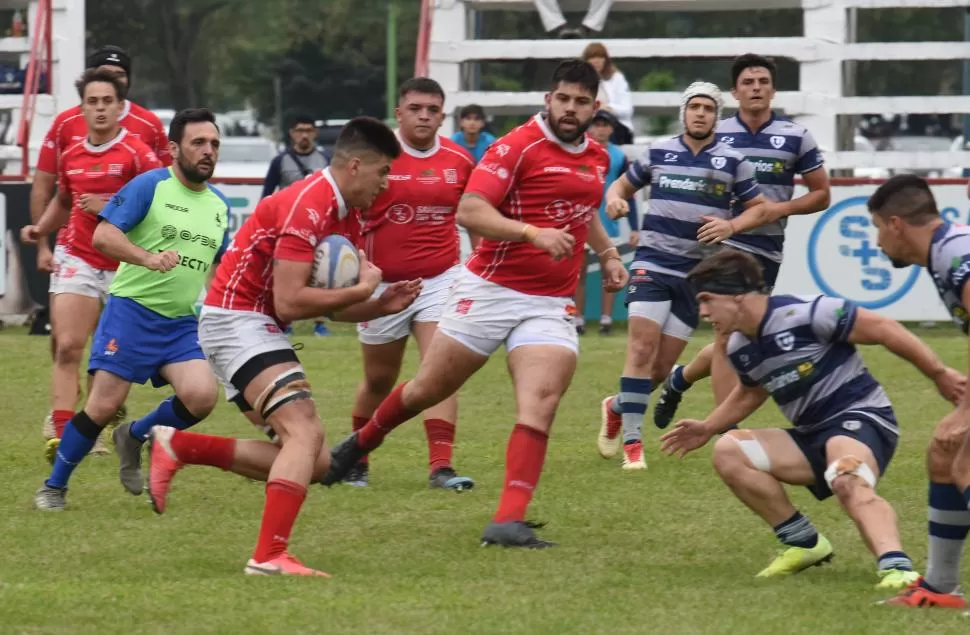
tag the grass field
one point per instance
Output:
(667, 550)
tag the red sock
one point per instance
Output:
(61, 417)
(203, 449)
(283, 501)
(523, 465)
(441, 442)
(390, 414)
(360, 422)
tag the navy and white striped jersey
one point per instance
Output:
(803, 357)
(949, 264)
(683, 188)
(778, 151)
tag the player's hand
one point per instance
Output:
(370, 274)
(45, 257)
(614, 275)
(29, 234)
(953, 430)
(617, 207)
(715, 229)
(162, 261)
(951, 384)
(686, 436)
(399, 295)
(634, 239)
(91, 203)
(558, 243)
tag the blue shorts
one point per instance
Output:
(854, 424)
(135, 343)
(650, 286)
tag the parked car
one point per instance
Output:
(245, 157)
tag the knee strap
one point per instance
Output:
(751, 448)
(853, 466)
(290, 385)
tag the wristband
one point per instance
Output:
(529, 233)
(608, 250)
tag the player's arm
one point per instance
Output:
(395, 298)
(815, 200)
(56, 215)
(869, 328)
(811, 167)
(294, 299)
(614, 274)
(743, 401)
(124, 212)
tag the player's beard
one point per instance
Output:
(192, 173)
(570, 137)
(700, 137)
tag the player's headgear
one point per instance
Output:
(110, 55)
(702, 89)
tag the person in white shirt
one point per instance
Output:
(553, 21)
(615, 89)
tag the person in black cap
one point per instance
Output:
(68, 129)
(604, 123)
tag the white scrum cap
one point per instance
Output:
(702, 89)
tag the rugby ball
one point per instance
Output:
(336, 264)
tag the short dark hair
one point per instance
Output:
(472, 110)
(297, 118)
(751, 60)
(365, 134)
(189, 115)
(730, 269)
(576, 71)
(907, 196)
(92, 75)
(422, 85)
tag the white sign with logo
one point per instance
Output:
(836, 253)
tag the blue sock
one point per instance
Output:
(78, 439)
(895, 560)
(949, 526)
(797, 531)
(677, 382)
(171, 412)
(634, 397)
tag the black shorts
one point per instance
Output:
(769, 268)
(855, 424)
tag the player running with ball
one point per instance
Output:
(260, 286)
(410, 233)
(534, 199)
(911, 232)
(801, 351)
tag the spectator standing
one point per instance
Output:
(614, 86)
(553, 21)
(471, 134)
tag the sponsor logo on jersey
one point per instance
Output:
(170, 232)
(177, 208)
(767, 165)
(451, 175)
(115, 169)
(692, 185)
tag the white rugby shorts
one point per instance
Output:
(427, 307)
(483, 315)
(74, 276)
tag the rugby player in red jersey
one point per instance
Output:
(534, 198)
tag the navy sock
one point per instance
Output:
(895, 560)
(677, 381)
(797, 531)
(171, 412)
(78, 439)
(966, 497)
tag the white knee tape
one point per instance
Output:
(850, 465)
(753, 449)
